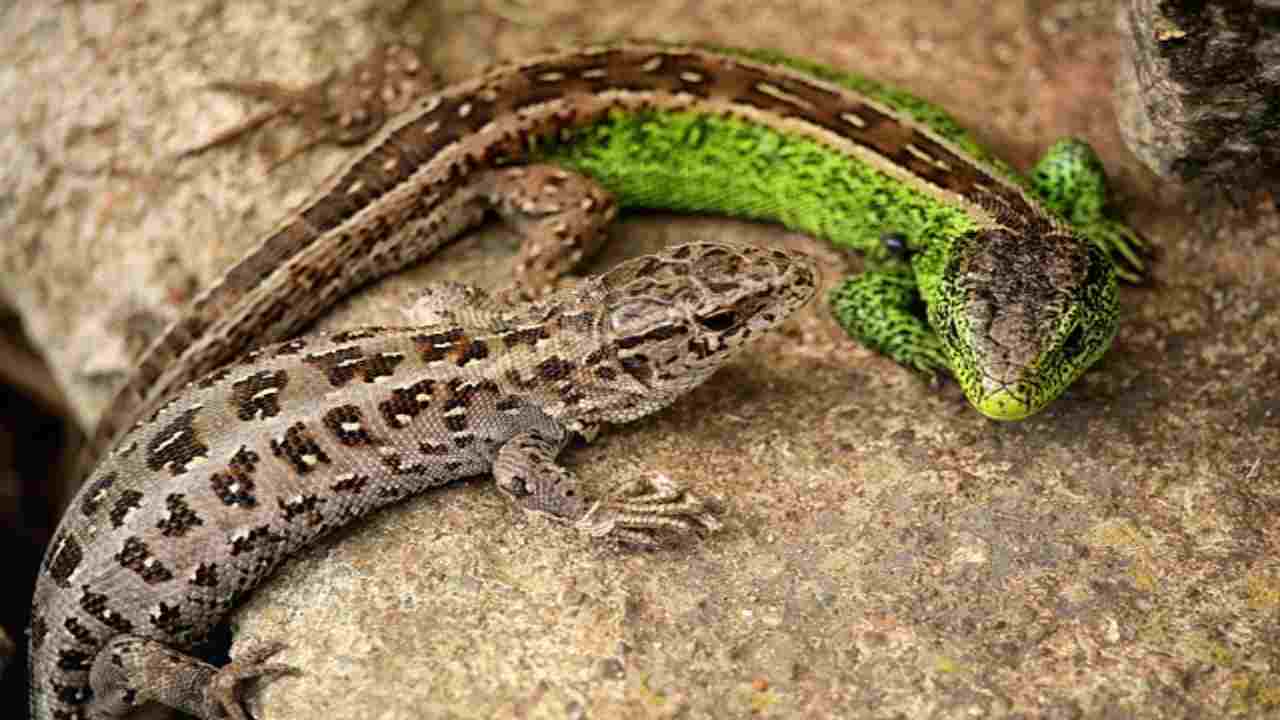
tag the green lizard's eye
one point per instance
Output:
(719, 322)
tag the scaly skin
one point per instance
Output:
(743, 133)
(689, 161)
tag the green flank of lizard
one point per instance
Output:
(915, 305)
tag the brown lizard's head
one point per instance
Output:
(672, 318)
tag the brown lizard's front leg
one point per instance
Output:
(527, 471)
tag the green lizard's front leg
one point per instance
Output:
(884, 311)
(1071, 181)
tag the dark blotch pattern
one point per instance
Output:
(206, 575)
(181, 517)
(175, 446)
(344, 364)
(300, 448)
(95, 605)
(526, 336)
(137, 556)
(39, 631)
(346, 422)
(474, 350)
(434, 347)
(168, 620)
(64, 561)
(124, 504)
(406, 403)
(256, 539)
(354, 484)
(72, 660)
(306, 507)
(293, 347)
(93, 496)
(234, 486)
(82, 634)
(555, 368)
(257, 397)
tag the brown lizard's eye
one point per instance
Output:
(720, 321)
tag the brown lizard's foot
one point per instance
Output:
(641, 510)
(223, 691)
(342, 111)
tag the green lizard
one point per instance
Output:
(1014, 310)
(1006, 283)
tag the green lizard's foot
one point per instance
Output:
(879, 309)
(1070, 180)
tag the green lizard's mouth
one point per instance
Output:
(1004, 404)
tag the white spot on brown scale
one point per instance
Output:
(653, 64)
(403, 420)
(690, 76)
(355, 187)
(310, 460)
(390, 163)
(853, 120)
(169, 441)
(551, 77)
(593, 73)
(351, 427)
(778, 93)
(464, 110)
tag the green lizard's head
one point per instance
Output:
(1021, 318)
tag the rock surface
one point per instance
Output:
(1198, 96)
(887, 551)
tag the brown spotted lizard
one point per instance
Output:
(248, 465)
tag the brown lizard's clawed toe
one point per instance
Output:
(641, 511)
(223, 691)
